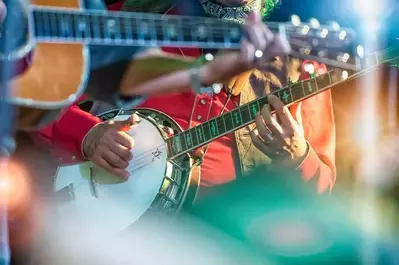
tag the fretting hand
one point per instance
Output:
(258, 47)
(281, 139)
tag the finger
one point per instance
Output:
(288, 122)
(124, 139)
(113, 159)
(254, 32)
(127, 124)
(263, 131)
(121, 151)
(111, 169)
(271, 122)
(258, 143)
(279, 47)
(247, 53)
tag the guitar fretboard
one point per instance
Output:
(244, 115)
(120, 28)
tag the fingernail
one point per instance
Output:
(253, 16)
(136, 118)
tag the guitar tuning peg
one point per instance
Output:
(344, 75)
(314, 23)
(334, 25)
(295, 20)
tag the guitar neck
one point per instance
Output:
(244, 115)
(122, 28)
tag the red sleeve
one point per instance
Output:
(317, 117)
(64, 137)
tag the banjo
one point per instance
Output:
(164, 173)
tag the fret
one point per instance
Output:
(175, 144)
(213, 128)
(186, 30)
(65, 26)
(188, 141)
(253, 108)
(46, 22)
(194, 136)
(200, 133)
(262, 101)
(228, 121)
(153, 29)
(182, 141)
(310, 86)
(108, 26)
(221, 128)
(53, 24)
(231, 33)
(323, 81)
(96, 28)
(143, 31)
(236, 117)
(173, 31)
(126, 29)
(207, 131)
(284, 94)
(39, 25)
(245, 114)
(297, 91)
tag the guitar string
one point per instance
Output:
(123, 25)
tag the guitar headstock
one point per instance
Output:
(330, 44)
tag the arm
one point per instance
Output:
(64, 137)
(317, 119)
(123, 75)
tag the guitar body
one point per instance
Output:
(54, 74)
(89, 196)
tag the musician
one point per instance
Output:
(306, 137)
(311, 151)
(306, 134)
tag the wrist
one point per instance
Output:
(301, 159)
(86, 141)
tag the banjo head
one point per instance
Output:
(92, 198)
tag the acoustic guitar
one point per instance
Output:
(57, 35)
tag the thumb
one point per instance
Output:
(126, 125)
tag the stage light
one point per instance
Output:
(309, 68)
(342, 35)
(324, 33)
(360, 51)
(209, 57)
(345, 75)
(334, 25)
(295, 20)
(369, 9)
(314, 23)
(305, 29)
